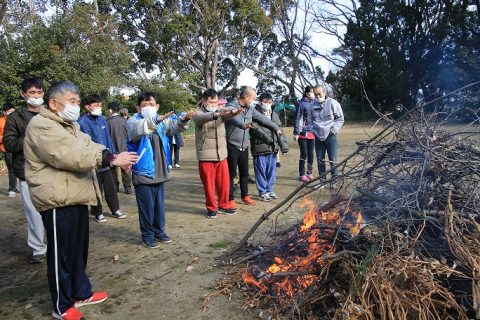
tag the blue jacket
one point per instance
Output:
(303, 117)
(139, 133)
(97, 129)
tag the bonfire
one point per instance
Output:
(398, 237)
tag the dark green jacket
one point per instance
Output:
(13, 137)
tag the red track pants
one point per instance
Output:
(215, 177)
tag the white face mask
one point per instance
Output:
(36, 102)
(311, 95)
(321, 99)
(266, 106)
(70, 113)
(211, 108)
(148, 112)
(96, 112)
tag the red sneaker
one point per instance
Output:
(248, 201)
(232, 204)
(70, 314)
(96, 297)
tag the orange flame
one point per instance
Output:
(357, 226)
(318, 245)
(306, 281)
(310, 217)
(274, 268)
(278, 260)
(248, 279)
(285, 286)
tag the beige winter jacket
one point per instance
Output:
(60, 163)
(210, 136)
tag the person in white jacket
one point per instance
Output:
(327, 116)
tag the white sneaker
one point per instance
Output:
(100, 218)
(170, 167)
(119, 214)
(273, 195)
(265, 197)
(177, 165)
(12, 194)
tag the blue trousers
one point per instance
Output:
(329, 146)
(151, 210)
(67, 253)
(265, 168)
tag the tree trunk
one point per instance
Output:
(206, 66)
(31, 8)
(3, 10)
(97, 12)
(213, 72)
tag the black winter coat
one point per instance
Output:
(13, 136)
(265, 141)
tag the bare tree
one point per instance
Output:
(193, 39)
(291, 58)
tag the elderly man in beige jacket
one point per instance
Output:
(59, 170)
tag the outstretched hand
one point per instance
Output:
(125, 160)
(190, 114)
(165, 116)
(237, 111)
(248, 125)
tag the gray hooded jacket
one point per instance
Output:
(327, 118)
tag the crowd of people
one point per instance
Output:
(67, 163)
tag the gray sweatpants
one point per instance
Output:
(34, 222)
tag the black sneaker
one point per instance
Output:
(164, 238)
(211, 214)
(279, 164)
(150, 244)
(128, 190)
(228, 211)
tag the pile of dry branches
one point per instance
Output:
(417, 256)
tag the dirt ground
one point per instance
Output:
(145, 283)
